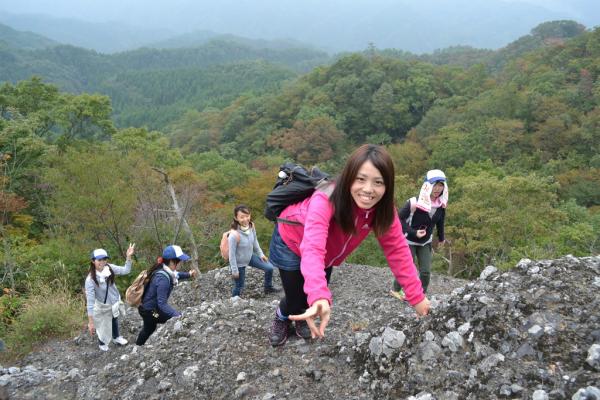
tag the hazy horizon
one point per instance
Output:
(336, 25)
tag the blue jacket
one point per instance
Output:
(156, 294)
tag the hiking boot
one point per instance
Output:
(272, 289)
(120, 341)
(302, 330)
(103, 347)
(279, 332)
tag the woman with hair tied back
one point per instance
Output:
(164, 276)
(103, 298)
(318, 233)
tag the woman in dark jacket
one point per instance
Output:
(418, 217)
(155, 308)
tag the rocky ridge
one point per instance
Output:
(529, 333)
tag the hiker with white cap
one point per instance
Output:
(155, 308)
(103, 298)
(418, 217)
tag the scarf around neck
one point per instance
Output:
(424, 201)
(172, 274)
(102, 275)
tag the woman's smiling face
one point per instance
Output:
(368, 187)
(243, 219)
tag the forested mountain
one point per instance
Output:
(10, 37)
(519, 140)
(545, 34)
(209, 75)
(198, 38)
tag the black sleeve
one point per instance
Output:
(440, 225)
(403, 214)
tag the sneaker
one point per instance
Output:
(302, 330)
(279, 332)
(399, 294)
(272, 289)
(103, 347)
(120, 340)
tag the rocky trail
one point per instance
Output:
(530, 333)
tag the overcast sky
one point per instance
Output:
(172, 13)
(334, 25)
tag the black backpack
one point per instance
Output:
(294, 184)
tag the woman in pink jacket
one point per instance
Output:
(312, 236)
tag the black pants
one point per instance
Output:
(295, 300)
(150, 322)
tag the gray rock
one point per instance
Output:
(487, 272)
(177, 326)
(392, 340)
(244, 391)
(422, 396)
(490, 362)
(464, 328)
(164, 385)
(589, 393)
(453, 341)
(540, 395)
(535, 331)
(593, 358)
(516, 389)
(429, 351)
(376, 346)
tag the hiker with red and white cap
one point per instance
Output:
(103, 298)
(155, 308)
(418, 217)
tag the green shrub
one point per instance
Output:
(51, 312)
(9, 309)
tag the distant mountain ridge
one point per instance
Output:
(336, 25)
(107, 37)
(24, 40)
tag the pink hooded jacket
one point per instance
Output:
(321, 243)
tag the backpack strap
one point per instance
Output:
(112, 273)
(288, 222)
(413, 204)
(162, 271)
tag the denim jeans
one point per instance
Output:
(280, 254)
(238, 284)
(266, 266)
(256, 262)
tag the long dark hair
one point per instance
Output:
(342, 197)
(244, 209)
(109, 281)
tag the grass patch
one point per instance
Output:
(50, 312)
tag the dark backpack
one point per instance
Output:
(294, 184)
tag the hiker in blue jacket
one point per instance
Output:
(155, 308)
